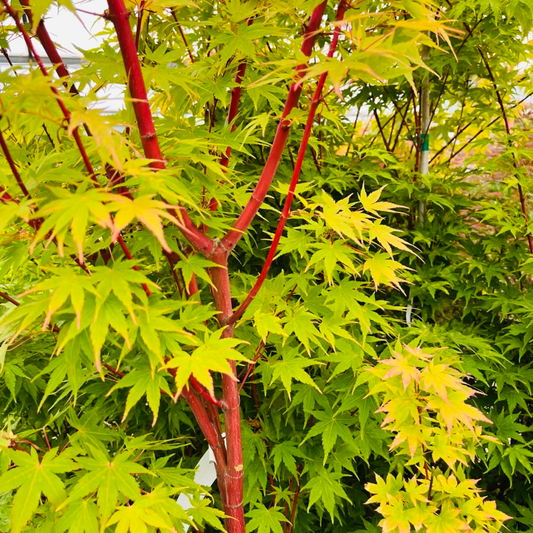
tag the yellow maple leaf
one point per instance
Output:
(456, 410)
(370, 202)
(146, 210)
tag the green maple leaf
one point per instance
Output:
(118, 280)
(203, 513)
(291, 367)
(75, 211)
(324, 487)
(267, 323)
(154, 324)
(110, 314)
(34, 477)
(286, 452)
(331, 428)
(90, 433)
(157, 509)
(329, 254)
(300, 322)
(448, 519)
(265, 520)
(81, 516)
(194, 264)
(212, 356)
(146, 210)
(143, 380)
(66, 284)
(109, 477)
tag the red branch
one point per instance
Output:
(295, 176)
(13, 167)
(8, 298)
(66, 114)
(203, 393)
(233, 473)
(118, 14)
(183, 38)
(280, 139)
(294, 506)
(49, 47)
(212, 434)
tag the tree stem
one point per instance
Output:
(282, 133)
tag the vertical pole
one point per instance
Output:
(425, 122)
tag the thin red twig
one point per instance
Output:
(13, 167)
(8, 298)
(282, 133)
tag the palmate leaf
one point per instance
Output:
(300, 322)
(66, 284)
(266, 520)
(340, 217)
(109, 477)
(330, 428)
(120, 279)
(324, 487)
(286, 452)
(157, 509)
(143, 380)
(211, 356)
(81, 516)
(155, 325)
(385, 236)
(74, 211)
(195, 265)
(291, 367)
(90, 432)
(146, 210)
(383, 270)
(110, 314)
(372, 204)
(332, 256)
(34, 477)
(203, 513)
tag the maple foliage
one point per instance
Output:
(250, 257)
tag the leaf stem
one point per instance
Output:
(8, 298)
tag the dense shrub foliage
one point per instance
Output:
(303, 242)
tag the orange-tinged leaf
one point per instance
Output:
(401, 366)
